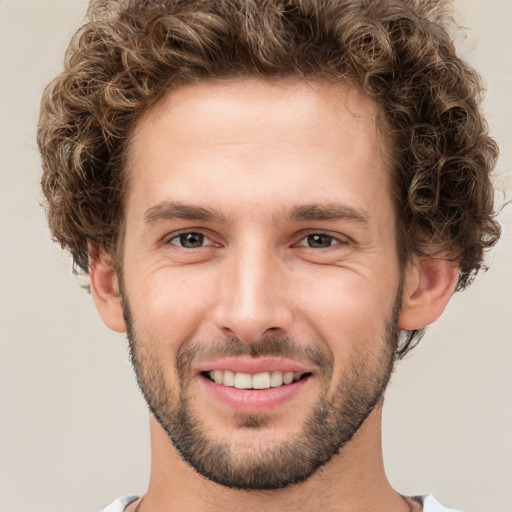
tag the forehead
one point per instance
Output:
(280, 110)
(253, 138)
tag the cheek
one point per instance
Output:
(170, 307)
(346, 308)
(350, 320)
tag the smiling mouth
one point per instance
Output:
(264, 380)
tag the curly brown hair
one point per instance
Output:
(131, 53)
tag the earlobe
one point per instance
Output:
(429, 285)
(105, 292)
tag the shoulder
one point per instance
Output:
(430, 504)
(120, 504)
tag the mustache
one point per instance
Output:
(193, 352)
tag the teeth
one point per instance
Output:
(228, 378)
(276, 379)
(218, 376)
(263, 380)
(243, 381)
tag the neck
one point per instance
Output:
(353, 481)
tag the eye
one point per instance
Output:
(190, 240)
(319, 241)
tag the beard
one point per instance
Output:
(337, 415)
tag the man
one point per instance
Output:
(272, 199)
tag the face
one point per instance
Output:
(261, 284)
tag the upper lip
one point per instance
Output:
(254, 366)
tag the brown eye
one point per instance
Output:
(189, 240)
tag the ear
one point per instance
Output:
(429, 285)
(105, 292)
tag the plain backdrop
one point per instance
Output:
(73, 427)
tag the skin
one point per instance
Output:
(219, 146)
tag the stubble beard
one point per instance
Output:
(331, 424)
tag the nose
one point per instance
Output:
(252, 301)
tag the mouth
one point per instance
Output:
(254, 385)
(262, 380)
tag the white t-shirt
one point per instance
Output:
(430, 504)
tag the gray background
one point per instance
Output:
(73, 428)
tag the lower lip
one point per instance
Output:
(253, 400)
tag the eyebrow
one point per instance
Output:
(168, 210)
(326, 212)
